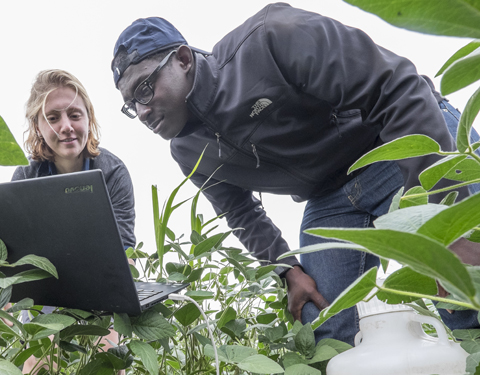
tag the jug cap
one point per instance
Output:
(374, 306)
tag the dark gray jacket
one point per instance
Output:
(119, 185)
(288, 102)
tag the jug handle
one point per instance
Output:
(442, 334)
(358, 338)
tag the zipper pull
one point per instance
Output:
(219, 145)
(256, 155)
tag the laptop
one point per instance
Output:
(69, 220)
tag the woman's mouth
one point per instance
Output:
(67, 140)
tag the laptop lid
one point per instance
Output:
(69, 220)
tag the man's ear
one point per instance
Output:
(185, 56)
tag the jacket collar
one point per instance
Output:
(205, 85)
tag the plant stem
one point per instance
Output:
(433, 298)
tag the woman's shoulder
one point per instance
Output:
(24, 172)
(109, 163)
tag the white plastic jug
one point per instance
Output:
(391, 341)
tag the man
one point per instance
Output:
(286, 103)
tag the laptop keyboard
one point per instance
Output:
(147, 293)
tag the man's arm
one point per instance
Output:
(260, 236)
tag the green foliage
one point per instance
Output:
(455, 18)
(10, 151)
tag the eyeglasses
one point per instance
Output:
(144, 92)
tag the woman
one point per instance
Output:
(63, 137)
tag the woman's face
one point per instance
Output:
(66, 131)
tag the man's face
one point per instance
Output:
(167, 113)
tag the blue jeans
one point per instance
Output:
(452, 116)
(356, 205)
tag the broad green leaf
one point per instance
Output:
(5, 296)
(453, 222)
(415, 250)
(208, 244)
(10, 151)
(260, 364)
(3, 251)
(200, 295)
(195, 275)
(83, 330)
(97, 367)
(355, 293)
(469, 114)
(187, 314)
(473, 364)
(39, 262)
(40, 331)
(3, 327)
(459, 18)
(231, 353)
(470, 346)
(24, 277)
(24, 304)
(277, 333)
(235, 328)
(406, 280)
(430, 176)
(461, 73)
(401, 148)
(414, 197)
(152, 326)
(467, 170)
(225, 316)
(466, 334)
(323, 353)
(71, 348)
(409, 219)
(113, 360)
(291, 358)
(302, 369)
(147, 355)
(47, 324)
(184, 269)
(25, 354)
(462, 52)
(63, 320)
(266, 318)
(305, 341)
(8, 368)
(264, 270)
(122, 324)
(338, 345)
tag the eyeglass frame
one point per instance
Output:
(131, 103)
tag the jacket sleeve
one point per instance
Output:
(342, 66)
(19, 174)
(120, 189)
(245, 214)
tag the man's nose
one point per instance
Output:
(143, 111)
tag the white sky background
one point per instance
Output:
(79, 37)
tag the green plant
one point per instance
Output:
(10, 151)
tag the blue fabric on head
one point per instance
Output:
(144, 37)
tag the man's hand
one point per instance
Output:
(302, 289)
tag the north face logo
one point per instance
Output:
(259, 106)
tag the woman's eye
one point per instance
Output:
(51, 118)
